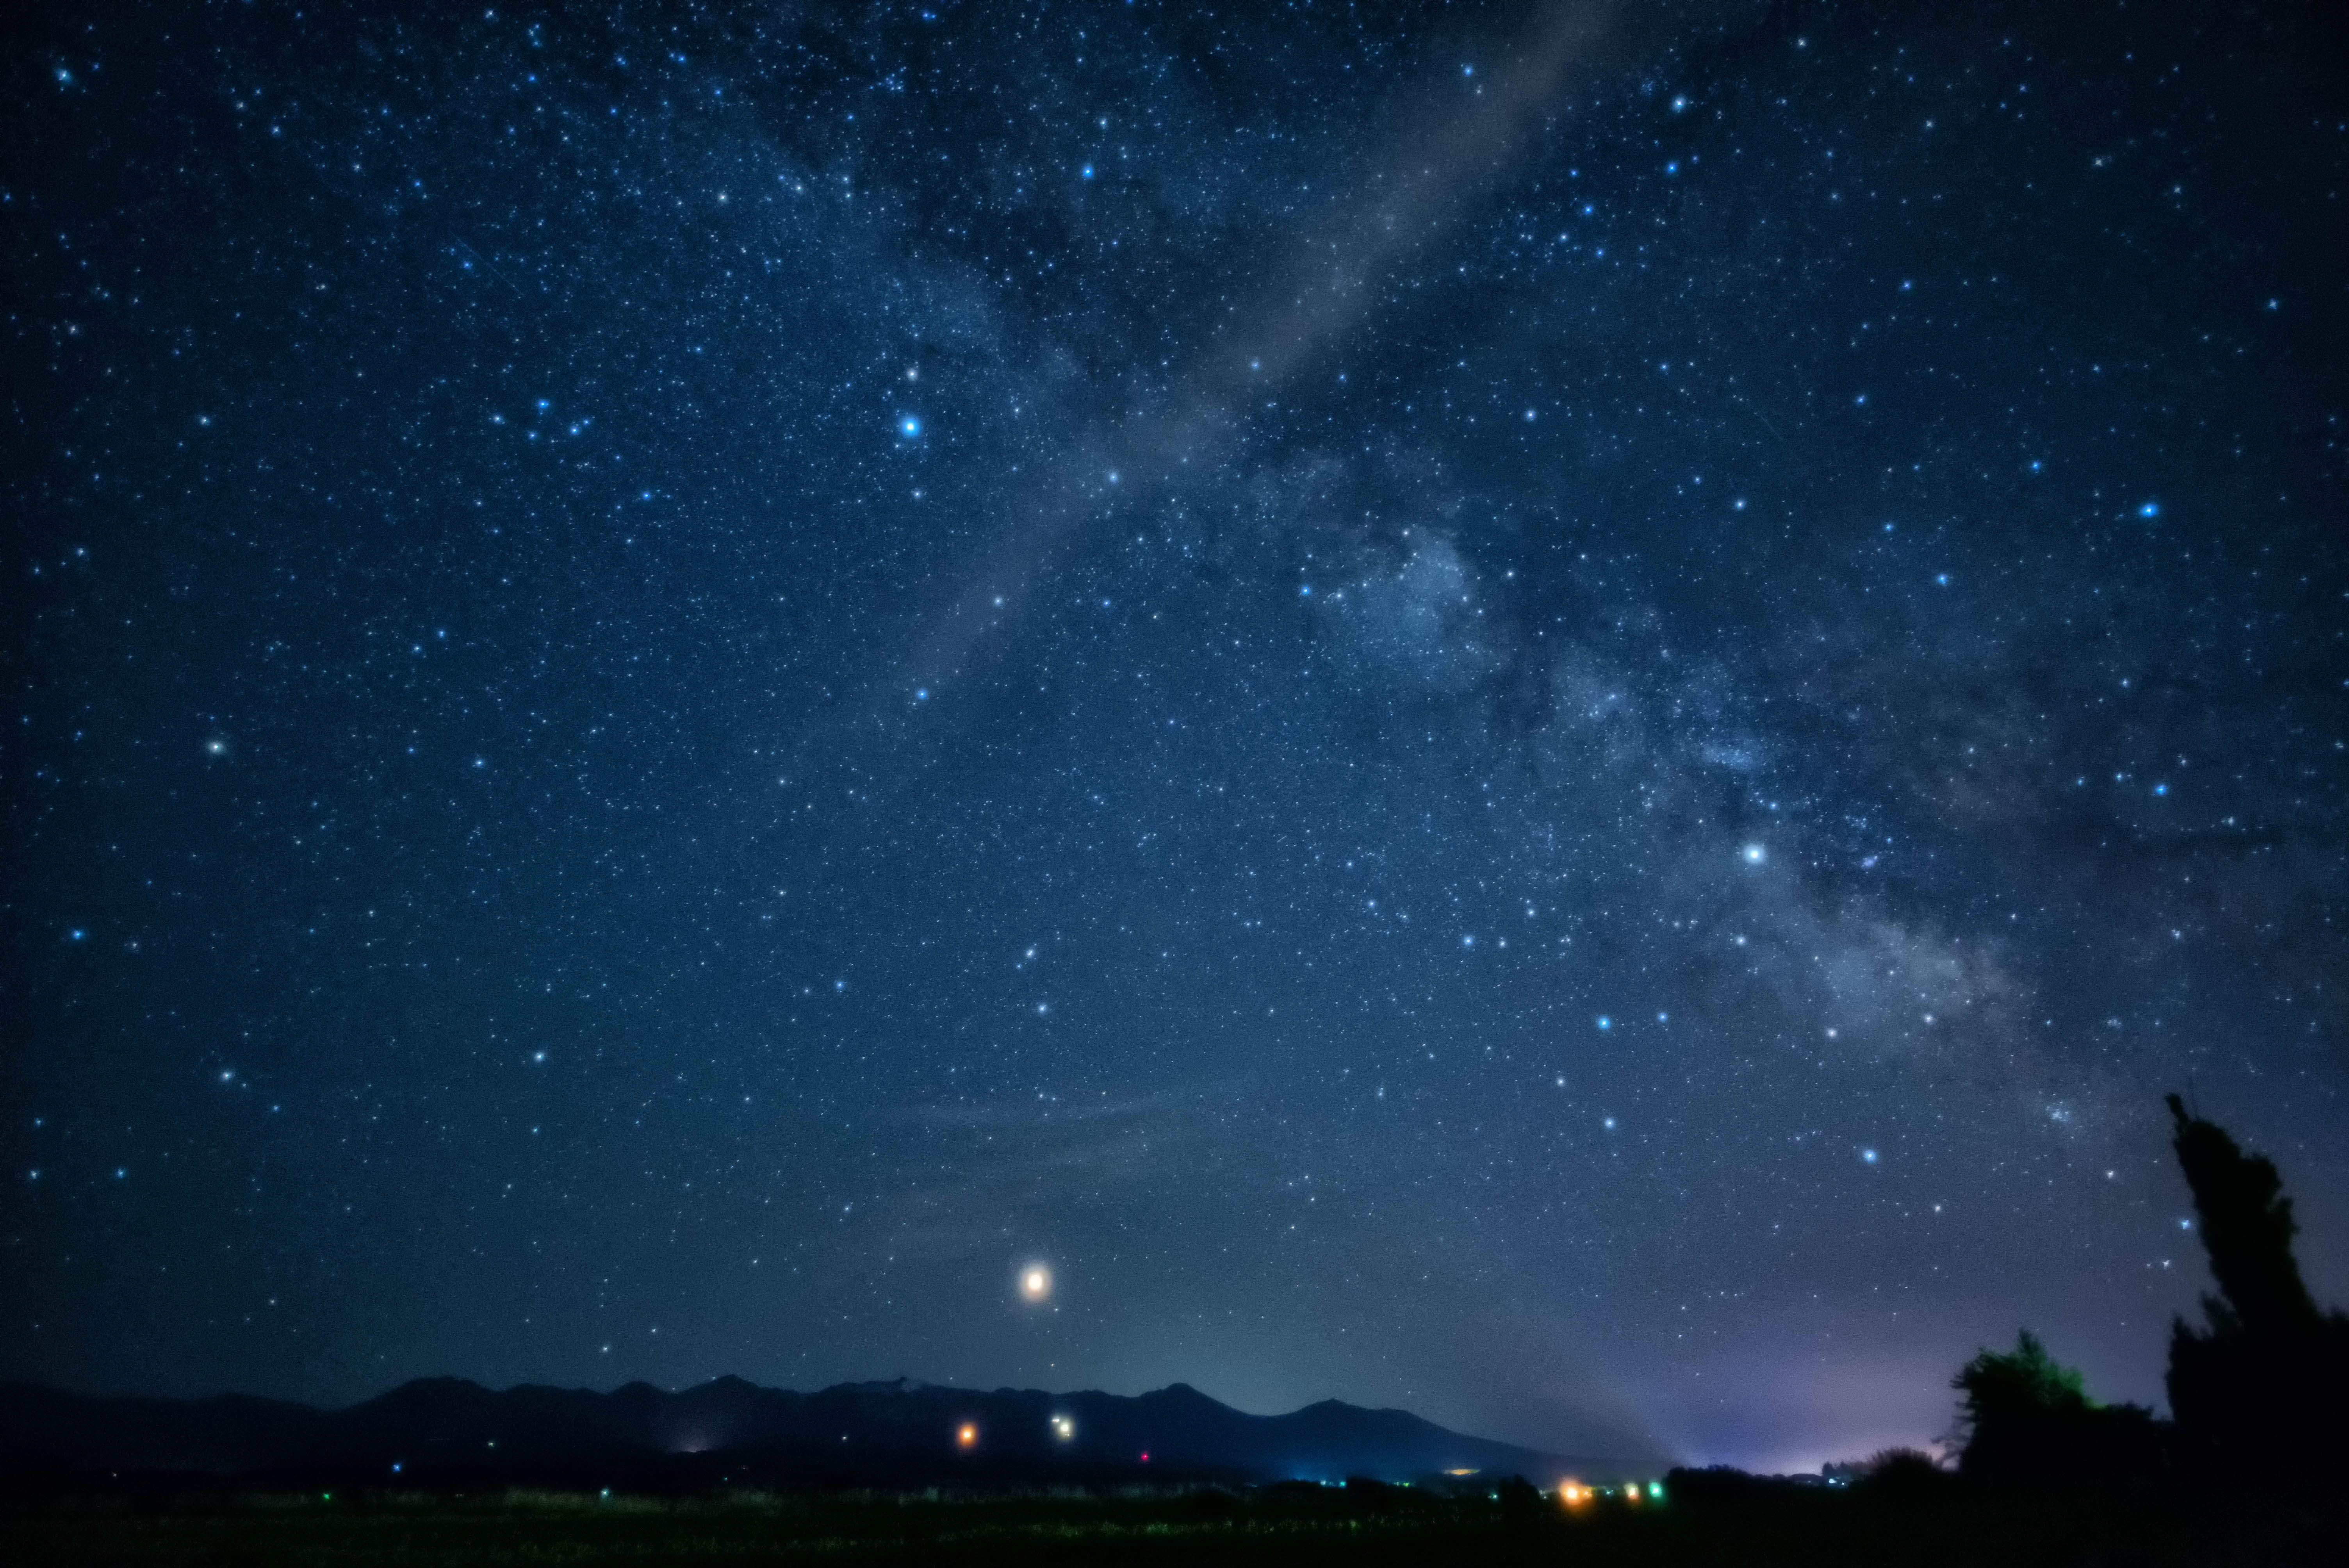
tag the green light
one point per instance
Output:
(1656, 1489)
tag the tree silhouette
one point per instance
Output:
(2027, 1419)
(2262, 1391)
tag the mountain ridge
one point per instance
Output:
(729, 1430)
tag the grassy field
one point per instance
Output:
(1288, 1525)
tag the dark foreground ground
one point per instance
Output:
(1284, 1524)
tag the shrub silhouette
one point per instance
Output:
(2028, 1420)
(1902, 1473)
(2261, 1391)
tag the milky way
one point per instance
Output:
(1560, 716)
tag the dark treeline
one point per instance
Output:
(2251, 1467)
(2259, 1394)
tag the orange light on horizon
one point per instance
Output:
(966, 1436)
(1574, 1494)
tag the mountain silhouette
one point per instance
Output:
(445, 1430)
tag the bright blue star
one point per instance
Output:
(909, 425)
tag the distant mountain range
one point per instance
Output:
(448, 1432)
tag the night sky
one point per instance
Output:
(1555, 715)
